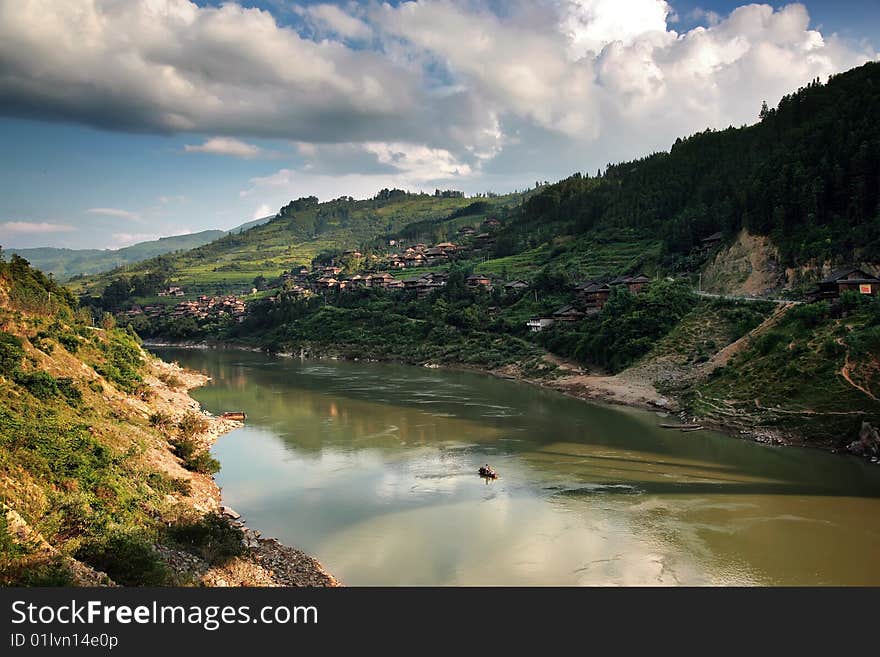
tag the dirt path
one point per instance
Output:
(845, 373)
(723, 357)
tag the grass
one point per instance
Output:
(73, 462)
(789, 377)
(230, 264)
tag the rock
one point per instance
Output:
(230, 512)
(868, 443)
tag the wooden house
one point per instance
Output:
(516, 286)
(381, 280)
(847, 278)
(479, 281)
(593, 294)
(709, 243)
(568, 314)
(634, 284)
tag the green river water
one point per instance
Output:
(372, 468)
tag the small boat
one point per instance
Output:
(488, 473)
(682, 427)
(234, 415)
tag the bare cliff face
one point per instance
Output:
(748, 267)
(751, 267)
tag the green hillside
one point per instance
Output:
(66, 264)
(807, 175)
(302, 230)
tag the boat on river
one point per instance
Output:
(234, 415)
(488, 473)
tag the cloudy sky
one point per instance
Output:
(126, 120)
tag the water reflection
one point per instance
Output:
(373, 469)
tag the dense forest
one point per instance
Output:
(807, 174)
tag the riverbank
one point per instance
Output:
(629, 388)
(266, 561)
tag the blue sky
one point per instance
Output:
(172, 118)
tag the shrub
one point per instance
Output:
(30, 572)
(170, 380)
(43, 342)
(164, 484)
(41, 385)
(194, 456)
(44, 386)
(123, 362)
(127, 558)
(203, 463)
(212, 537)
(11, 353)
(160, 420)
(70, 341)
(767, 342)
(192, 424)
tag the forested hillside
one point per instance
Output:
(807, 174)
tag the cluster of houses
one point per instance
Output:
(171, 291)
(421, 255)
(592, 296)
(300, 285)
(204, 307)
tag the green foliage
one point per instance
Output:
(626, 329)
(806, 175)
(165, 485)
(128, 558)
(796, 366)
(32, 291)
(187, 447)
(192, 424)
(23, 571)
(43, 385)
(122, 361)
(212, 537)
(11, 353)
(194, 456)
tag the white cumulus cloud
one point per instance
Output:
(225, 146)
(433, 89)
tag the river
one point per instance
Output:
(372, 468)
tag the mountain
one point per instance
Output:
(65, 264)
(251, 224)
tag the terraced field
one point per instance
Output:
(231, 263)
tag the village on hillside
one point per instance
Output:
(352, 270)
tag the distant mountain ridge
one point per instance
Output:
(65, 264)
